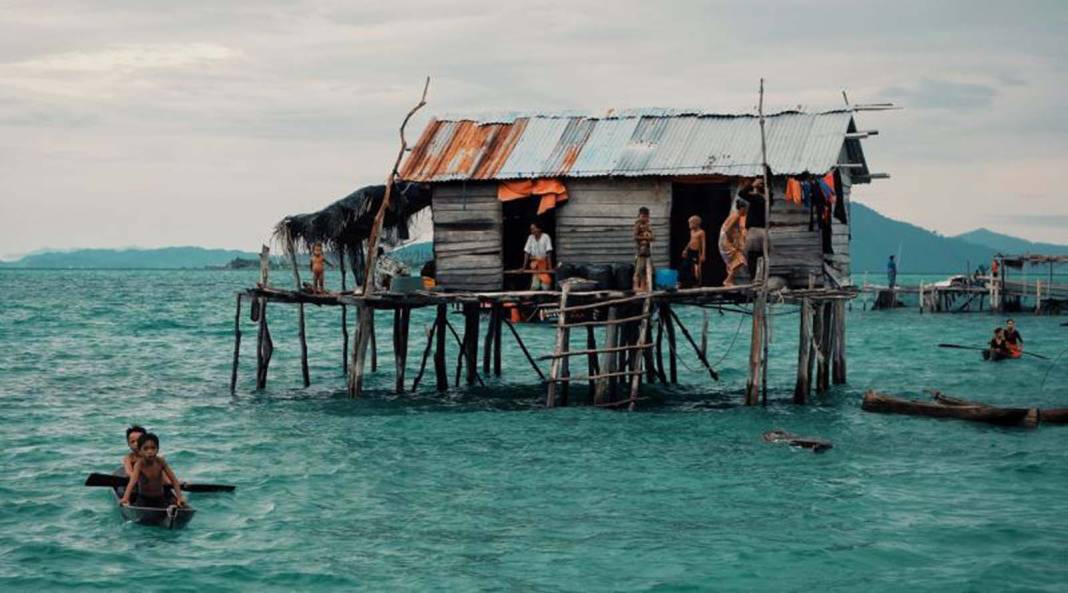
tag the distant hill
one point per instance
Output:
(875, 237)
(163, 258)
(1010, 245)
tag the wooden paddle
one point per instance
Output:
(959, 347)
(113, 481)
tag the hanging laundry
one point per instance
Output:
(793, 191)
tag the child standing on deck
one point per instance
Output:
(693, 256)
(149, 472)
(643, 238)
(318, 267)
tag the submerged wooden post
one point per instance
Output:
(374, 344)
(608, 357)
(365, 327)
(264, 347)
(300, 311)
(426, 354)
(401, 317)
(440, 372)
(673, 348)
(756, 343)
(237, 345)
(594, 368)
(824, 320)
(803, 386)
(344, 316)
(497, 340)
(487, 342)
(560, 348)
(471, 315)
(838, 368)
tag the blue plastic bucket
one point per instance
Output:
(666, 278)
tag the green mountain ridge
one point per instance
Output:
(1010, 245)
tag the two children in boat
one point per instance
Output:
(1007, 341)
(149, 473)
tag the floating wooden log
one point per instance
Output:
(886, 404)
(1048, 416)
(814, 444)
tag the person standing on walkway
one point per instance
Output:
(756, 224)
(537, 257)
(643, 239)
(891, 272)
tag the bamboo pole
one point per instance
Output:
(365, 329)
(264, 349)
(824, 356)
(643, 331)
(523, 347)
(471, 319)
(497, 340)
(673, 345)
(591, 358)
(838, 369)
(561, 337)
(237, 345)
(401, 318)
(758, 350)
(344, 317)
(487, 342)
(426, 354)
(700, 355)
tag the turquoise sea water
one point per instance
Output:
(486, 490)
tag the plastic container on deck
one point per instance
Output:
(666, 279)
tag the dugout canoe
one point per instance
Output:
(887, 404)
(171, 517)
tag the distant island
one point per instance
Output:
(874, 238)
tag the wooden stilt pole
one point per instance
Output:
(440, 371)
(471, 317)
(374, 343)
(804, 350)
(565, 370)
(660, 345)
(643, 335)
(700, 355)
(430, 332)
(265, 347)
(824, 355)
(758, 344)
(487, 342)
(523, 347)
(594, 368)
(838, 369)
(560, 348)
(401, 319)
(237, 346)
(258, 309)
(300, 314)
(344, 316)
(608, 358)
(673, 347)
(365, 329)
(497, 339)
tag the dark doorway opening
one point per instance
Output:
(712, 202)
(515, 228)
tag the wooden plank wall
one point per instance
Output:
(596, 224)
(467, 236)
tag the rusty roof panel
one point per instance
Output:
(644, 142)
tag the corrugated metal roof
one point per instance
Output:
(633, 142)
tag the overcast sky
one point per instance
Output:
(135, 123)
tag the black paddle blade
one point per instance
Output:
(106, 480)
(208, 488)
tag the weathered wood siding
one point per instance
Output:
(467, 236)
(596, 224)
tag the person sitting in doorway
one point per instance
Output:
(537, 257)
(643, 239)
(693, 255)
(732, 240)
(756, 224)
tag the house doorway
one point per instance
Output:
(712, 202)
(515, 228)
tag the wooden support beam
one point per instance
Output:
(559, 348)
(838, 370)
(595, 350)
(803, 386)
(292, 252)
(487, 342)
(673, 348)
(523, 347)
(592, 365)
(374, 344)
(471, 319)
(364, 331)
(440, 372)
(630, 373)
(823, 339)
(497, 339)
(264, 347)
(607, 322)
(237, 345)
(643, 335)
(344, 316)
(659, 349)
(700, 355)
(430, 332)
(756, 344)
(401, 318)
(608, 358)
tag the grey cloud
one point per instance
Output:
(1038, 220)
(943, 94)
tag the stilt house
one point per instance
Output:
(583, 178)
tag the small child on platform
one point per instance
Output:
(149, 474)
(318, 268)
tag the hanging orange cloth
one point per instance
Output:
(793, 190)
(551, 191)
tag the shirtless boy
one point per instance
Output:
(318, 266)
(148, 474)
(694, 253)
(132, 434)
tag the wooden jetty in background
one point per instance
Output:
(582, 178)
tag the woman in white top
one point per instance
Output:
(537, 256)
